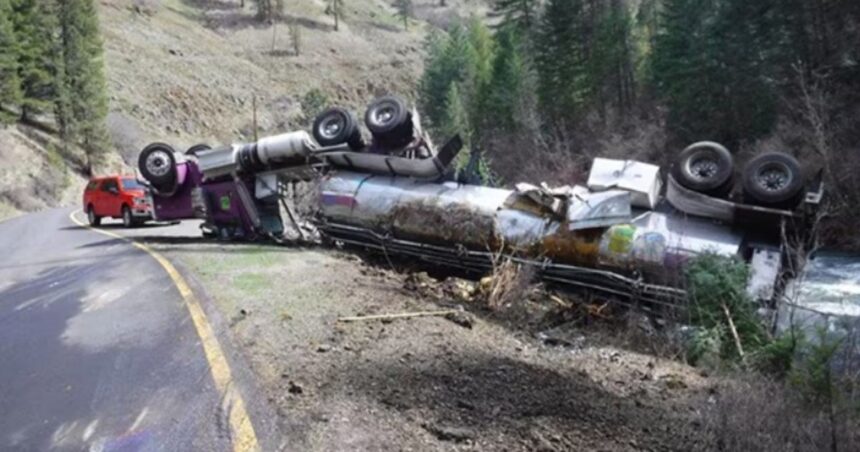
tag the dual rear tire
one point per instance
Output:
(773, 179)
(388, 119)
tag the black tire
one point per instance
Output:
(773, 179)
(92, 218)
(337, 126)
(193, 150)
(127, 218)
(705, 167)
(157, 164)
(389, 120)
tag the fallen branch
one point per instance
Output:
(734, 331)
(402, 315)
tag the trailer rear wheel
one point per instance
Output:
(774, 179)
(336, 126)
(705, 167)
(389, 120)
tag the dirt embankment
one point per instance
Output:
(522, 377)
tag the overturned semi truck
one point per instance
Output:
(627, 231)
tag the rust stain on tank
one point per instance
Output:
(579, 247)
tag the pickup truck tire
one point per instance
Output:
(389, 120)
(92, 218)
(157, 164)
(336, 126)
(705, 167)
(193, 150)
(127, 218)
(774, 179)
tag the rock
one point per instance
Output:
(463, 319)
(448, 433)
(295, 388)
(324, 348)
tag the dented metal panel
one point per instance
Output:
(642, 180)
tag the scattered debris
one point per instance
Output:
(401, 315)
(461, 318)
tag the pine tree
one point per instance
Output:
(610, 65)
(35, 23)
(521, 14)
(450, 58)
(10, 90)
(404, 11)
(83, 106)
(505, 89)
(712, 64)
(560, 60)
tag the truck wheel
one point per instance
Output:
(773, 179)
(335, 126)
(157, 164)
(92, 218)
(389, 120)
(193, 150)
(705, 167)
(127, 218)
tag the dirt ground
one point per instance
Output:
(516, 378)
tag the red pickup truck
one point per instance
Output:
(117, 197)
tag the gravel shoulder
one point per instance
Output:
(431, 383)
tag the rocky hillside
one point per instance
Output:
(189, 71)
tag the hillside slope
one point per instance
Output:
(190, 71)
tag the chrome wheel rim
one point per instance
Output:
(773, 177)
(158, 163)
(703, 168)
(332, 126)
(384, 114)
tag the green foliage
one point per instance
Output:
(518, 14)
(715, 284)
(501, 95)
(561, 60)
(451, 58)
(712, 64)
(313, 103)
(777, 357)
(35, 23)
(813, 375)
(610, 67)
(10, 88)
(704, 347)
(83, 103)
(405, 10)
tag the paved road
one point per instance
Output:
(97, 348)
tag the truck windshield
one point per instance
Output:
(130, 184)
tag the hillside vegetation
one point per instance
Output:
(189, 71)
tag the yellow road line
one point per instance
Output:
(242, 430)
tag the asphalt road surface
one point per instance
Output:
(97, 347)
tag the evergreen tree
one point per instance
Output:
(560, 60)
(505, 90)
(35, 23)
(521, 14)
(610, 66)
(10, 90)
(450, 58)
(712, 64)
(404, 11)
(83, 106)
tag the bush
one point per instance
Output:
(716, 286)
